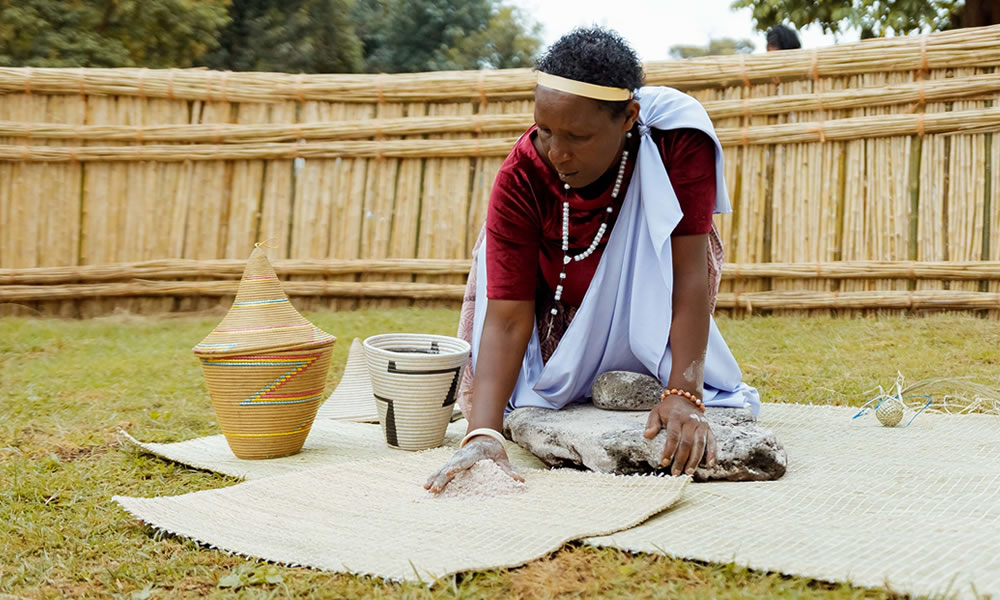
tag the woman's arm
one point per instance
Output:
(689, 157)
(506, 331)
(689, 324)
(689, 438)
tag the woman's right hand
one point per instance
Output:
(479, 448)
(690, 441)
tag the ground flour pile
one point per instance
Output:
(483, 479)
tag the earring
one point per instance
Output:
(628, 134)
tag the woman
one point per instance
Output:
(599, 254)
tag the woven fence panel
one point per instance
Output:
(884, 150)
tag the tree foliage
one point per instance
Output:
(108, 33)
(715, 47)
(433, 35)
(311, 36)
(308, 36)
(873, 17)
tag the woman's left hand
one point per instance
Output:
(689, 438)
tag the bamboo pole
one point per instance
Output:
(208, 194)
(854, 198)
(887, 192)
(726, 223)
(213, 289)
(233, 268)
(310, 224)
(379, 201)
(314, 128)
(277, 196)
(350, 187)
(992, 252)
(793, 204)
(445, 200)
(163, 184)
(907, 300)
(787, 133)
(245, 191)
(102, 211)
(967, 176)
(7, 206)
(959, 48)
(53, 195)
(918, 92)
(932, 226)
(748, 301)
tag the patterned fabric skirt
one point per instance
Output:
(551, 327)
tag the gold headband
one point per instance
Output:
(587, 90)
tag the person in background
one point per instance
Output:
(780, 37)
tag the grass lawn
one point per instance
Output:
(67, 386)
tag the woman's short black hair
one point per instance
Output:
(782, 38)
(595, 55)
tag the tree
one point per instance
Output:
(873, 17)
(715, 47)
(311, 36)
(433, 35)
(108, 33)
(308, 36)
(508, 42)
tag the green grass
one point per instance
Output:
(66, 387)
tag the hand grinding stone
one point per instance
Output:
(608, 436)
(583, 436)
(623, 390)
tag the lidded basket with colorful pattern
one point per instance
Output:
(265, 366)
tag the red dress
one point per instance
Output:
(524, 219)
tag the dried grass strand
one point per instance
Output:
(350, 289)
(969, 121)
(225, 268)
(919, 92)
(959, 48)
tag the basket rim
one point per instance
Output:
(367, 343)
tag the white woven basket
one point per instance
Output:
(415, 382)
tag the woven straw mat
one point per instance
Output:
(374, 517)
(352, 400)
(329, 443)
(917, 508)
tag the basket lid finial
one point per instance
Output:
(262, 316)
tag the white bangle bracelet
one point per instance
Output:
(493, 433)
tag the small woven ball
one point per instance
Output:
(890, 412)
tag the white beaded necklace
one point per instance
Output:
(600, 232)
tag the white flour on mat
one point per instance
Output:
(483, 479)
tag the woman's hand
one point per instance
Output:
(478, 448)
(689, 438)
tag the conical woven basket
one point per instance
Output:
(265, 366)
(415, 383)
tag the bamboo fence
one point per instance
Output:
(864, 177)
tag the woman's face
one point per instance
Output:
(577, 137)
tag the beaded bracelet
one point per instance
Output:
(694, 399)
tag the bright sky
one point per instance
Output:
(653, 26)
